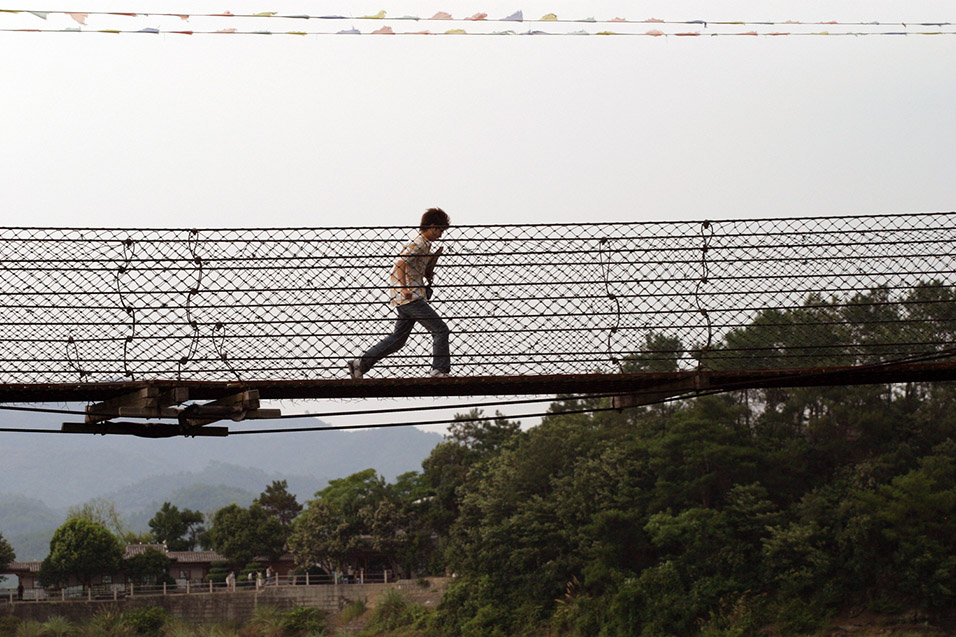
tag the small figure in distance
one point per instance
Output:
(409, 295)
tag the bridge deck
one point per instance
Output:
(658, 383)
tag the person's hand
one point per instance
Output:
(406, 293)
(432, 260)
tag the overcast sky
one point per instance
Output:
(248, 131)
(217, 131)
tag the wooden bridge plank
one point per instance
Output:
(491, 385)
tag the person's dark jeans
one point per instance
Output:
(408, 314)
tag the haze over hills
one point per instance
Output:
(41, 476)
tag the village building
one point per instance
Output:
(190, 570)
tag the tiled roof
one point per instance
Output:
(23, 567)
(184, 557)
(180, 557)
(285, 557)
(139, 549)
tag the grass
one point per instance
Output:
(353, 611)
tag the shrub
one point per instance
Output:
(269, 621)
(9, 624)
(148, 620)
(216, 630)
(179, 628)
(29, 628)
(303, 622)
(218, 571)
(58, 626)
(253, 568)
(107, 623)
(354, 610)
(736, 616)
(391, 611)
(799, 617)
(266, 622)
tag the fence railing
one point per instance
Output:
(116, 591)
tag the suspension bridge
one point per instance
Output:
(199, 325)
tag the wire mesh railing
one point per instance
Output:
(97, 305)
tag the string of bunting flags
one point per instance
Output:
(441, 23)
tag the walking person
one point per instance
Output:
(409, 295)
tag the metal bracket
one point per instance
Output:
(660, 392)
(237, 407)
(151, 402)
(147, 402)
(141, 429)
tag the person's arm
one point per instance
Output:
(401, 275)
(432, 260)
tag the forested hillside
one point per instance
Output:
(754, 511)
(191, 473)
(723, 514)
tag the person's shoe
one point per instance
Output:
(437, 373)
(355, 369)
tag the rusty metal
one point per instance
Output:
(141, 429)
(664, 382)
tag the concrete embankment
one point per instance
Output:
(207, 608)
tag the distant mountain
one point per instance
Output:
(65, 470)
(184, 487)
(23, 515)
(205, 498)
(42, 475)
(28, 525)
(206, 491)
(32, 547)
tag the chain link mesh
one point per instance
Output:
(96, 305)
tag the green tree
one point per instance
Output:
(150, 566)
(82, 549)
(180, 530)
(445, 471)
(278, 502)
(316, 539)
(399, 527)
(518, 540)
(104, 513)
(7, 554)
(362, 512)
(240, 534)
(338, 520)
(913, 516)
(772, 506)
(660, 354)
(704, 452)
(484, 436)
